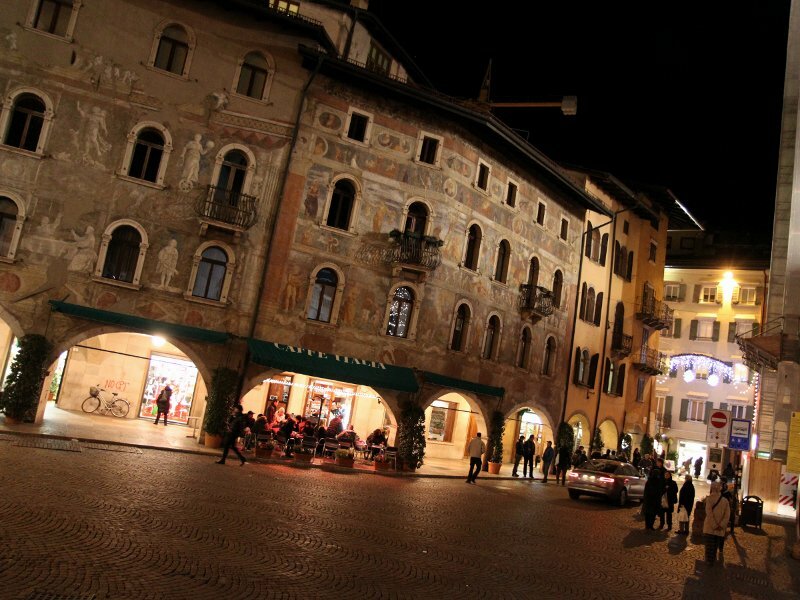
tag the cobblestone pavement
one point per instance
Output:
(163, 525)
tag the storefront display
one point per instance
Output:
(278, 392)
(530, 424)
(442, 420)
(326, 399)
(180, 375)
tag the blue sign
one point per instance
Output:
(740, 434)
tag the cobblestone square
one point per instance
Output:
(164, 525)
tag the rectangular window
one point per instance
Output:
(672, 291)
(741, 373)
(709, 294)
(747, 295)
(687, 243)
(358, 127)
(53, 16)
(653, 251)
(744, 327)
(511, 194)
(378, 60)
(661, 400)
(288, 6)
(738, 411)
(482, 181)
(705, 329)
(640, 383)
(442, 420)
(696, 410)
(625, 227)
(540, 213)
(564, 234)
(429, 150)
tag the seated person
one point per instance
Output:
(287, 429)
(261, 425)
(335, 427)
(376, 438)
(348, 436)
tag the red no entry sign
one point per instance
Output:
(719, 419)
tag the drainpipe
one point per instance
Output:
(273, 221)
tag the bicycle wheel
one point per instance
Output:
(91, 404)
(120, 407)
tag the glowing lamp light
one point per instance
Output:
(157, 341)
(713, 380)
(688, 376)
(727, 284)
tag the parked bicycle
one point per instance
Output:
(98, 403)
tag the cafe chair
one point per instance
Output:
(363, 449)
(330, 447)
(310, 444)
(390, 455)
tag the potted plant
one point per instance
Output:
(495, 449)
(219, 403)
(24, 382)
(597, 441)
(411, 436)
(265, 449)
(381, 464)
(344, 457)
(303, 455)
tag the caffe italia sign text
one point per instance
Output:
(342, 359)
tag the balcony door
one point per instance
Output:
(230, 183)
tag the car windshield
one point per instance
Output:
(602, 466)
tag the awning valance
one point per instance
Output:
(332, 366)
(461, 384)
(150, 326)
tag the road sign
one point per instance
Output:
(719, 427)
(740, 434)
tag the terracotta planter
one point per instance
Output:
(213, 441)
(382, 465)
(344, 462)
(12, 420)
(264, 452)
(494, 468)
(303, 457)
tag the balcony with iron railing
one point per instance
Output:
(415, 251)
(535, 301)
(229, 208)
(654, 313)
(621, 344)
(650, 361)
(775, 342)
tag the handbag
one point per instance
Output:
(683, 517)
(664, 501)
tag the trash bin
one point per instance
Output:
(752, 511)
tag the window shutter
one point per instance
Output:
(684, 409)
(682, 292)
(693, 330)
(588, 249)
(707, 413)
(576, 370)
(593, 370)
(676, 333)
(607, 383)
(732, 332)
(620, 383)
(748, 414)
(759, 295)
(604, 249)
(735, 296)
(696, 293)
(667, 420)
(718, 297)
(715, 335)
(598, 309)
(723, 406)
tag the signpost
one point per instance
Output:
(719, 427)
(740, 434)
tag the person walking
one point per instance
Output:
(519, 452)
(653, 491)
(685, 503)
(236, 430)
(637, 458)
(528, 451)
(564, 461)
(162, 404)
(718, 513)
(547, 459)
(671, 495)
(476, 448)
(698, 466)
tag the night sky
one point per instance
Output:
(682, 94)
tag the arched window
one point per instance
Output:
(582, 308)
(400, 312)
(173, 50)
(473, 248)
(609, 377)
(598, 309)
(558, 282)
(549, 359)
(323, 295)
(210, 277)
(122, 254)
(460, 328)
(629, 271)
(588, 314)
(26, 122)
(253, 76)
(619, 321)
(232, 175)
(588, 249)
(524, 353)
(503, 257)
(341, 207)
(146, 158)
(8, 225)
(416, 219)
(533, 272)
(617, 259)
(596, 245)
(490, 342)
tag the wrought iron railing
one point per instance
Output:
(536, 299)
(651, 360)
(412, 250)
(654, 313)
(228, 207)
(621, 344)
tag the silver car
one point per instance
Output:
(617, 481)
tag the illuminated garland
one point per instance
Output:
(691, 363)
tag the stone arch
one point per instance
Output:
(13, 323)
(541, 411)
(610, 434)
(580, 423)
(475, 405)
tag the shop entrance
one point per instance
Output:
(451, 420)
(180, 375)
(691, 451)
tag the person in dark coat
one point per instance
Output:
(519, 452)
(236, 430)
(671, 491)
(547, 459)
(686, 501)
(162, 404)
(698, 466)
(528, 450)
(564, 460)
(637, 458)
(653, 490)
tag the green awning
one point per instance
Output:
(150, 326)
(461, 384)
(332, 366)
